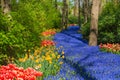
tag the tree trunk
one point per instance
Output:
(76, 6)
(65, 14)
(5, 4)
(79, 22)
(116, 2)
(56, 6)
(102, 4)
(94, 23)
(85, 10)
(0, 4)
(89, 8)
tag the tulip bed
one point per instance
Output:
(49, 32)
(12, 72)
(44, 58)
(113, 48)
(47, 43)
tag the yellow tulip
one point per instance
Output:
(26, 56)
(47, 53)
(53, 55)
(61, 63)
(31, 57)
(63, 52)
(50, 62)
(37, 60)
(48, 58)
(58, 56)
(21, 60)
(35, 53)
(38, 66)
(63, 56)
(43, 57)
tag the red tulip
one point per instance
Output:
(11, 72)
(1, 77)
(110, 47)
(38, 73)
(48, 33)
(47, 43)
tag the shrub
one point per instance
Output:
(72, 19)
(86, 30)
(109, 24)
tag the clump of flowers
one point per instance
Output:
(72, 24)
(47, 43)
(49, 32)
(47, 37)
(45, 59)
(12, 72)
(114, 48)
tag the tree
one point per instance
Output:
(79, 22)
(0, 4)
(116, 1)
(76, 6)
(5, 4)
(102, 4)
(56, 6)
(85, 6)
(94, 23)
(65, 13)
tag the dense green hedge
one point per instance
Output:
(109, 24)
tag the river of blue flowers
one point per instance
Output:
(84, 62)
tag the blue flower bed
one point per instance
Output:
(83, 62)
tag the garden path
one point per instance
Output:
(83, 62)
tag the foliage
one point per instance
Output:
(109, 24)
(85, 30)
(10, 36)
(3, 58)
(117, 37)
(72, 19)
(21, 28)
(106, 36)
(13, 40)
(36, 14)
